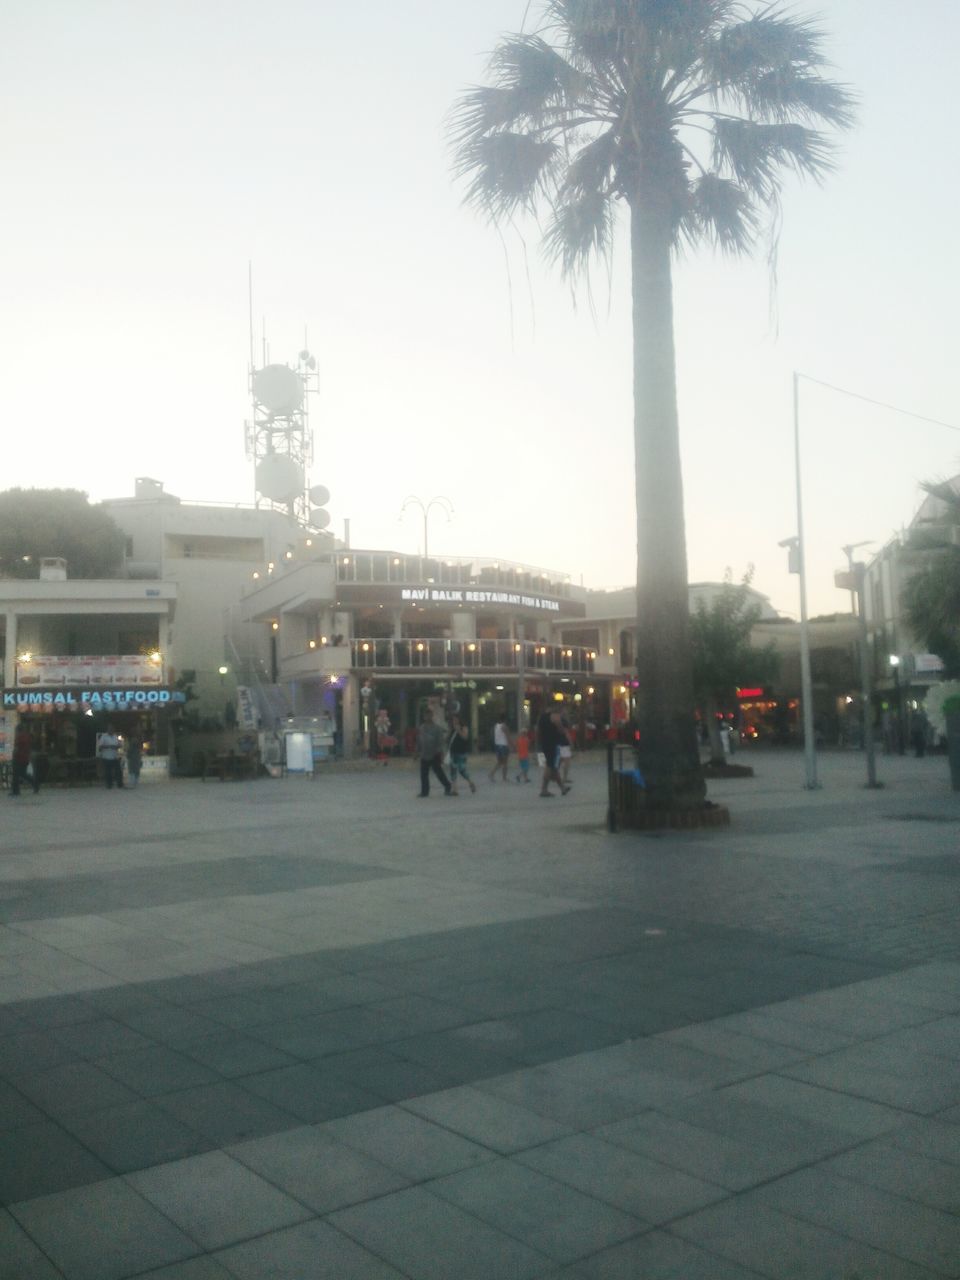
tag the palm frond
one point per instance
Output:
(537, 73)
(755, 154)
(771, 63)
(721, 211)
(787, 92)
(766, 41)
(591, 167)
(507, 171)
(581, 227)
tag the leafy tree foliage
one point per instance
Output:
(931, 597)
(57, 522)
(688, 113)
(723, 657)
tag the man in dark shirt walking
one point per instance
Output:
(430, 742)
(549, 735)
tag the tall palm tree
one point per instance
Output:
(689, 112)
(931, 596)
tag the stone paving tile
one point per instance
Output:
(225, 1113)
(493, 1122)
(157, 1070)
(715, 1157)
(311, 1251)
(20, 1257)
(709, 1038)
(778, 1135)
(932, 1137)
(316, 1169)
(15, 1110)
(426, 1238)
(73, 1088)
(193, 1269)
(649, 1189)
(897, 1077)
(822, 1106)
(539, 1211)
(101, 1038)
(924, 1236)
(135, 1136)
(782, 1247)
(391, 1078)
(311, 1093)
(327, 1033)
(231, 1054)
(407, 1143)
(459, 1059)
(853, 1012)
(169, 1025)
(58, 1011)
(42, 1158)
(809, 1038)
(880, 1164)
(589, 1090)
(27, 1051)
(658, 1256)
(216, 1200)
(104, 1231)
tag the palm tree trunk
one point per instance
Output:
(669, 755)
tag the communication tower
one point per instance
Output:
(278, 437)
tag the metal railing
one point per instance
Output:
(474, 571)
(470, 655)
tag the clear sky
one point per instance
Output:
(148, 151)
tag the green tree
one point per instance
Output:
(689, 113)
(57, 522)
(931, 596)
(723, 657)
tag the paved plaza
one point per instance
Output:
(293, 1029)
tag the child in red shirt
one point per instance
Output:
(523, 755)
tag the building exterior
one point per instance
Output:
(79, 654)
(210, 553)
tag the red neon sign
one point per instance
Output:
(749, 693)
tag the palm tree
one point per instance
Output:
(931, 596)
(689, 112)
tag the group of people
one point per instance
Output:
(438, 746)
(112, 751)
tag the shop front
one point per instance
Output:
(65, 722)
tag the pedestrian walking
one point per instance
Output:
(524, 742)
(548, 743)
(566, 749)
(23, 765)
(501, 748)
(134, 754)
(108, 749)
(430, 748)
(457, 751)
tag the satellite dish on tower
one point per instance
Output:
(278, 390)
(319, 517)
(279, 478)
(320, 495)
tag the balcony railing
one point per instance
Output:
(387, 567)
(470, 655)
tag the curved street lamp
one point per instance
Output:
(440, 500)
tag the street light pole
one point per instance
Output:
(440, 500)
(806, 682)
(856, 574)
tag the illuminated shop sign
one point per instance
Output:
(474, 595)
(89, 699)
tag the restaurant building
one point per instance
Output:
(79, 654)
